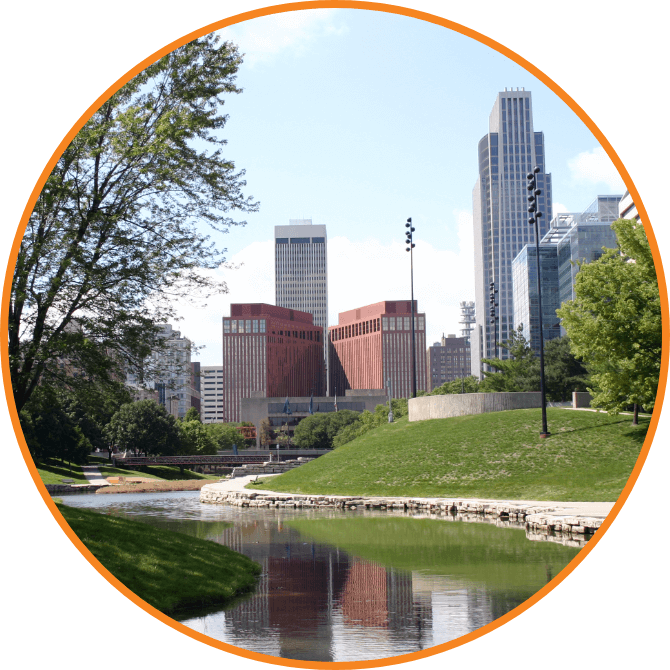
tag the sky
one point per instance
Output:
(359, 120)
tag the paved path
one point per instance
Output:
(598, 510)
(93, 475)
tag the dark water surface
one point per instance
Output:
(351, 586)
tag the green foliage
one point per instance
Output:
(318, 430)
(192, 415)
(52, 427)
(224, 435)
(514, 374)
(120, 220)
(196, 439)
(145, 427)
(368, 421)
(266, 433)
(563, 373)
(614, 323)
(468, 384)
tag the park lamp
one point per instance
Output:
(534, 216)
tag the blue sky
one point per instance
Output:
(359, 120)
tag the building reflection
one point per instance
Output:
(308, 590)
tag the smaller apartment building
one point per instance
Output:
(447, 360)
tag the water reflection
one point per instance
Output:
(343, 586)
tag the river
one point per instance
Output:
(352, 586)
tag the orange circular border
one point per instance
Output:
(391, 9)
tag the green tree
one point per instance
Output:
(145, 427)
(467, 384)
(223, 434)
(614, 322)
(51, 428)
(192, 415)
(517, 373)
(196, 439)
(266, 433)
(117, 232)
(319, 430)
(563, 372)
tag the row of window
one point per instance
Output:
(244, 325)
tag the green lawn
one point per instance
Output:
(55, 471)
(588, 457)
(168, 570)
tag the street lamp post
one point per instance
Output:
(533, 219)
(410, 246)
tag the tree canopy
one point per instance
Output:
(614, 322)
(515, 373)
(117, 232)
(145, 427)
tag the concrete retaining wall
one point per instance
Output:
(446, 406)
(581, 399)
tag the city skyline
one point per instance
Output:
(361, 171)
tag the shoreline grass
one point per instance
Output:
(500, 455)
(54, 471)
(169, 570)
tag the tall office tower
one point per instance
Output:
(372, 346)
(301, 272)
(572, 239)
(507, 153)
(270, 352)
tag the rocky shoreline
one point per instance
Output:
(539, 519)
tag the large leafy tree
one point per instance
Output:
(563, 372)
(145, 427)
(117, 232)
(614, 323)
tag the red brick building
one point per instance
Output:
(372, 345)
(271, 352)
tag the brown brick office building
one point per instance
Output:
(372, 345)
(269, 351)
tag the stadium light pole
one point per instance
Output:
(410, 246)
(534, 216)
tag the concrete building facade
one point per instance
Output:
(371, 347)
(269, 351)
(507, 153)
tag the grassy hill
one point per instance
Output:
(588, 457)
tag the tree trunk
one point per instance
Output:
(636, 409)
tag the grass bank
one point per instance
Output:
(168, 570)
(500, 455)
(54, 471)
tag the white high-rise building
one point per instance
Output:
(301, 271)
(507, 153)
(211, 393)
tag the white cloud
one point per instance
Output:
(595, 167)
(559, 208)
(359, 274)
(264, 38)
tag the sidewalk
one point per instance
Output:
(93, 476)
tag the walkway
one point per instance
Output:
(93, 476)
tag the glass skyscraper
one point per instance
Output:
(507, 153)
